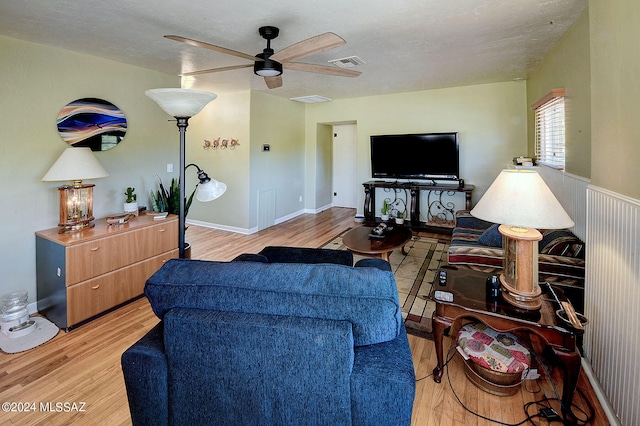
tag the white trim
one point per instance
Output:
(289, 216)
(633, 201)
(223, 227)
(602, 397)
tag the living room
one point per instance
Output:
(494, 120)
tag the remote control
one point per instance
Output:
(444, 296)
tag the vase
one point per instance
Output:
(131, 208)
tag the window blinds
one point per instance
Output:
(549, 128)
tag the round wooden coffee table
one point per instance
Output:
(359, 242)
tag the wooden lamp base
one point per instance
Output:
(520, 278)
(529, 300)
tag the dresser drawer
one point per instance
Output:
(94, 258)
(97, 295)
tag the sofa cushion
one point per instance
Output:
(283, 254)
(491, 237)
(251, 369)
(251, 257)
(367, 297)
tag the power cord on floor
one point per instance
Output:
(449, 358)
(580, 422)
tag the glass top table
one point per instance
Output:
(469, 300)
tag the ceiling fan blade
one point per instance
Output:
(307, 47)
(320, 69)
(233, 67)
(197, 43)
(273, 82)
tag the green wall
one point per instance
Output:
(35, 83)
(279, 123)
(568, 66)
(227, 117)
(615, 89)
(491, 120)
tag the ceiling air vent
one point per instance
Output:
(348, 62)
(311, 99)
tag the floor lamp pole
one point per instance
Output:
(183, 122)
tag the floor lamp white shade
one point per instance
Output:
(210, 191)
(181, 102)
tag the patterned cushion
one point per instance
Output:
(561, 243)
(494, 350)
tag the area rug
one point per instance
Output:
(415, 274)
(45, 330)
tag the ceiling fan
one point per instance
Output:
(269, 64)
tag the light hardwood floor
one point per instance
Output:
(83, 366)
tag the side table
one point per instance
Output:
(470, 301)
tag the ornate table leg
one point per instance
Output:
(369, 214)
(414, 212)
(571, 363)
(439, 325)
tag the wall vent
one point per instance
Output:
(348, 62)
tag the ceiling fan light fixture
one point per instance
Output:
(267, 68)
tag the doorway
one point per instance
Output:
(344, 166)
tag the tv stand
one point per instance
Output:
(440, 214)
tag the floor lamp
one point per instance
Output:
(520, 201)
(182, 104)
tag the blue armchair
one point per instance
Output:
(253, 342)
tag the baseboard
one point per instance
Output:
(602, 398)
(255, 229)
(223, 227)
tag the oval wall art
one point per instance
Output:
(93, 123)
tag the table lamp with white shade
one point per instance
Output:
(521, 203)
(76, 200)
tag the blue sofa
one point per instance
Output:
(256, 342)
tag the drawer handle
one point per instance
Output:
(95, 248)
(95, 287)
(161, 230)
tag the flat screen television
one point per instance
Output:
(416, 156)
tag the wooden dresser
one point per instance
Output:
(83, 274)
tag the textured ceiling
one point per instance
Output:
(407, 45)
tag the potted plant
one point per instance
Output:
(385, 211)
(400, 218)
(131, 203)
(168, 200)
